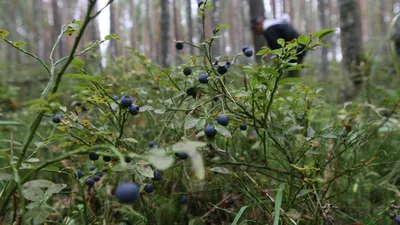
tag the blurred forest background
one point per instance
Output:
(147, 25)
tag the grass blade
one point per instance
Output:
(239, 214)
(278, 203)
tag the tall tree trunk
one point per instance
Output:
(324, 51)
(189, 19)
(232, 30)
(113, 29)
(38, 34)
(351, 42)
(133, 30)
(214, 21)
(57, 27)
(149, 14)
(273, 7)
(156, 28)
(165, 34)
(257, 8)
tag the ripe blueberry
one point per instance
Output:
(222, 69)
(100, 174)
(191, 92)
(243, 126)
(230, 202)
(187, 71)
(76, 103)
(223, 119)
(203, 78)
(179, 45)
(96, 178)
(210, 130)
(152, 144)
(183, 199)
(228, 64)
(127, 192)
(157, 175)
(182, 155)
(126, 101)
(199, 3)
(148, 188)
(79, 173)
(115, 97)
(248, 52)
(397, 219)
(245, 48)
(93, 156)
(89, 181)
(106, 158)
(128, 159)
(134, 109)
(57, 118)
(92, 167)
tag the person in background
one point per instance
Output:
(274, 29)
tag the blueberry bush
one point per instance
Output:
(209, 141)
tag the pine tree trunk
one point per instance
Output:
(165, 34)
(113, 48)
(189, 24)
(132, 12)
(351, 42)
(57, 28)
(257, 8)
(324, 51)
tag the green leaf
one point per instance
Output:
(34, 194)
(190, 122)
(160, 159)
(145, 108)
(144, 169)
(33, 160)
(310, 131)
(54, 189)
(3, 33)
(82, 77)
(209, 6)
(304, 39)
(303, 192)
(19, 44)
(225, 25)
(329, 136)
(292, 213)
(38, 215)
(289, 80)
(38, 184)
(78, 63)
(278, 203)
(131, 140)
(222, 170)
(239, 214)
(281, 42)
(322, 33)
(295, 128)
(161, 110)
(112, 36)
(223, 131)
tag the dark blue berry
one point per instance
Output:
(248, 52)
(152, 144)
(134, 109)
(243, 126)
(223, 119)
(128, 159)
(210, 130)
(203, 78)
(148, 188)
(228, 64)
(57, 118)
(192, 92)
(179, 46)
(106, 158)
(245, 48)
(126, 101)
(93, 156)
(222, 69)
(183, 199)
(101, 173)
(76, 103)
(187, 71)
(230, 202)
(127, 192)
(115, 97)
(199, 3)
(157, 175)
(96, 178)
(397, 219)
(89, 181)
(182, 155)
(92, 167)
(79, 173)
